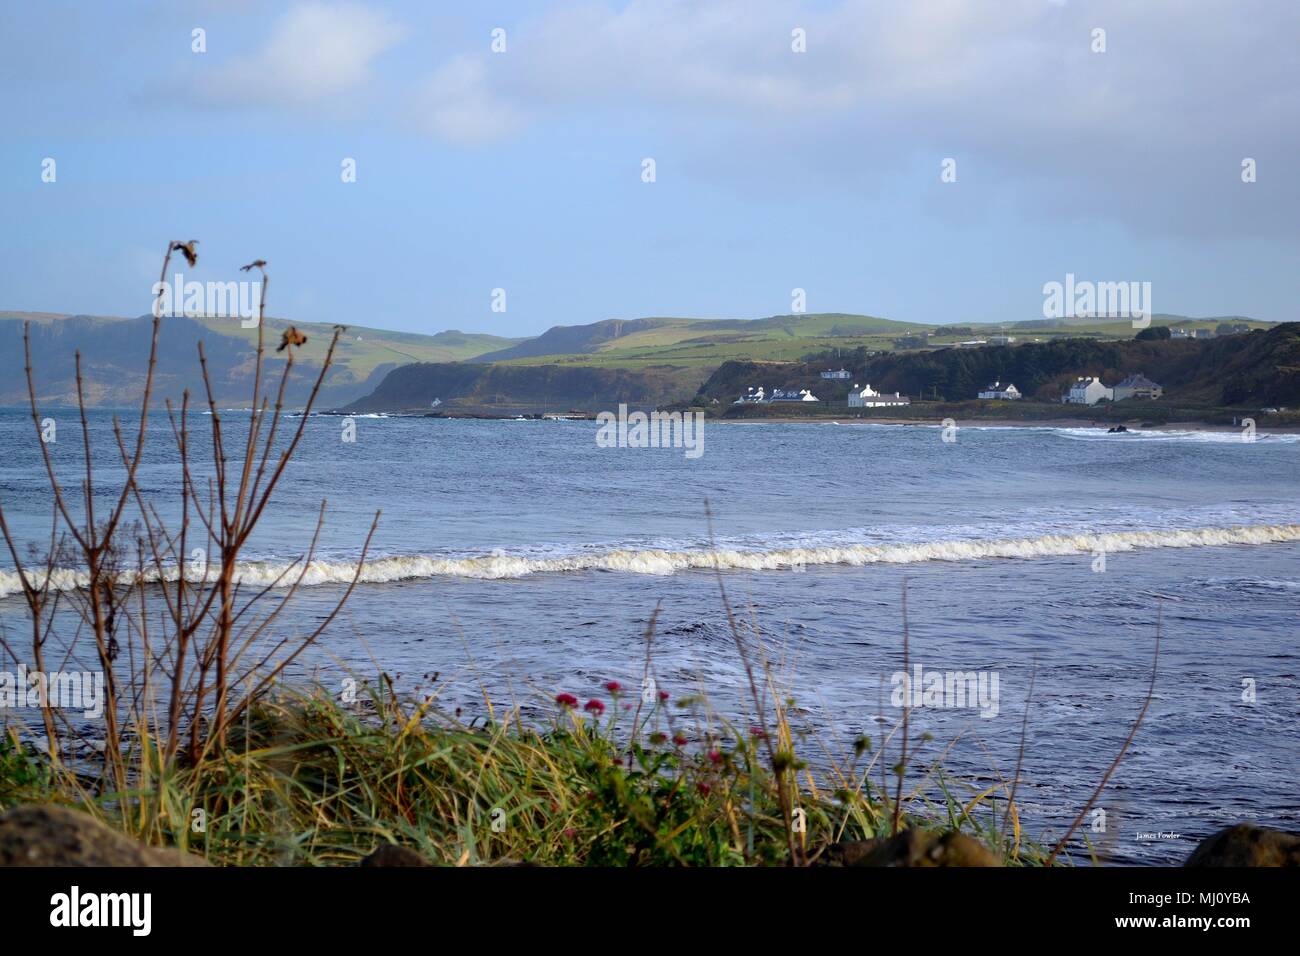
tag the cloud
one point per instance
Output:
(315, 52)
(1013, 88)
(457, 104)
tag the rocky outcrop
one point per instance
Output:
(912, 848)
(60, 836)
(1246, 845)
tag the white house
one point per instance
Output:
(783, 395)
(1137, 386)
(842, 374)
(867, 397)
(972, 343)
(997, 390)
(1001, 339)
(1089, 391)
(754, 396)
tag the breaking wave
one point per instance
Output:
(669, 561)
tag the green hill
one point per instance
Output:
(114, 351)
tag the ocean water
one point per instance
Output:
(517, 559)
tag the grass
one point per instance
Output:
(308, 780)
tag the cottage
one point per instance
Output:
(867, 397)
(1137, 386)
(755, 396)
(1089, 391)
(997, 390)
(840, 375)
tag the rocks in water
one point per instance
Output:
(912, 848)
(392, 855)
(60, 836)
(1116, 430)
(1247, 845)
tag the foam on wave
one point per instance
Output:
(664, 561)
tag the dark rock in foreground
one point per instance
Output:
(912, 848)
(392, 855)
(1246, 845)
(59, 836)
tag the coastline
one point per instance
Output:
(1002, 423)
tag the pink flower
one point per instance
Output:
(614, 687)
(663, 695)
(594, 707)
(757, 732)
(566, 700)
(680, 740)
(715, 756)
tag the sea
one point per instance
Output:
(514, 560)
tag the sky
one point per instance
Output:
(922, 160)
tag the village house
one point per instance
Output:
(997, 390)
(1089, 391)
(867, 397)
(755, 396)
(841, 375)
(1137, 386)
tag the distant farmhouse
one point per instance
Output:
(1001, 339)
(867, 397)
(997, 390)
(1089, 391)
(1137, 386)
(843, 375)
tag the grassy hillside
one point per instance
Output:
(705, 344)
(114, 352)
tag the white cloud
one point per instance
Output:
(457, 104)
(315, 51)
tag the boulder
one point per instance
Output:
(912, 848)
(1247, 845)
(392, 855)
(60, 836)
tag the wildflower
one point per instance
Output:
(680, 740)
(704, 788)
(594, 707)
(715, 756)
(758, 732)
(658, 738)
(614, 687)
(664, 695)
(566, 700)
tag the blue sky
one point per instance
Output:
(775, 170)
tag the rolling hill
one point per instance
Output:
(114, 351)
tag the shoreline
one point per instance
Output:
(1004, 423)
